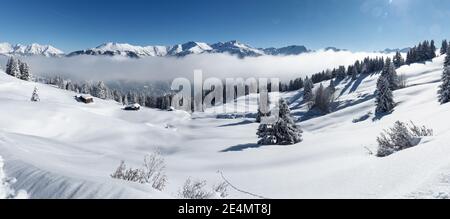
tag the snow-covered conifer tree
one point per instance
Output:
(390, 74)
(340, 74)
(332, 86)
(444, 88)
(432, 50)
(447, 58)
(384, 97)
(308, 90)
(398, 60)
(354, 73)
(24, 71)
(35, 95)
(13, 67)
(444, 47)
(101, 90)
(283, 132)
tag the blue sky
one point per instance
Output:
(362, 25)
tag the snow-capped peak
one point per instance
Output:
(233, 47)
(29, 50)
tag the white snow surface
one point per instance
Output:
(6, 192)
(59, 148)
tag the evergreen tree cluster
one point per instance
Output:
(398, 60)
(283, 132)
(425, 51)
(101, 90)
(17, 68)
(366, 66)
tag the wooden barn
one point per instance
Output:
(132, 107)
(85, 99)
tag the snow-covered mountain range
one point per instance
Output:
(28, 50)
(231, 47)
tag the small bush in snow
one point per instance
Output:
(400, 137)
(221, 189)
(152, 172)
(402, 81)
(195, 189)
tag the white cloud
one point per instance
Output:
(213, 65)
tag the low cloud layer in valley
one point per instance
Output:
(212, 65)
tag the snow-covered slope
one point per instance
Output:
(59, 148)
(30, 50)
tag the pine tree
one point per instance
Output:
(384, 97)
(390, 74)
(13, 67)
(447, 58)
(101, 90)
(8, 66)
(332, 86)
(308, 90)
(283, 132)
(432, 50)
(398, 60)
(323, 98)
(444, 47)
(354, 73)
(444, 88)
(24, 71)
(35, 95)
(340, 75)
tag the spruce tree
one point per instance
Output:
(390, 74)
(354, 73)
(447, 58)
(444, 88)
(35, 95)
(444, 47)
(308, 90)
(432, 50)
(332, 86)
(101, 90)
(384, 97)
(25, 72)
(8, 66)
(283, 132)
(13, 67)
(340, 75)
(398, 60)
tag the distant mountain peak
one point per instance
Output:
(30, 50)
(388, 50)
(334, 49)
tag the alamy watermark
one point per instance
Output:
(201, 94)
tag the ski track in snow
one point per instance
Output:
(58, 148)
